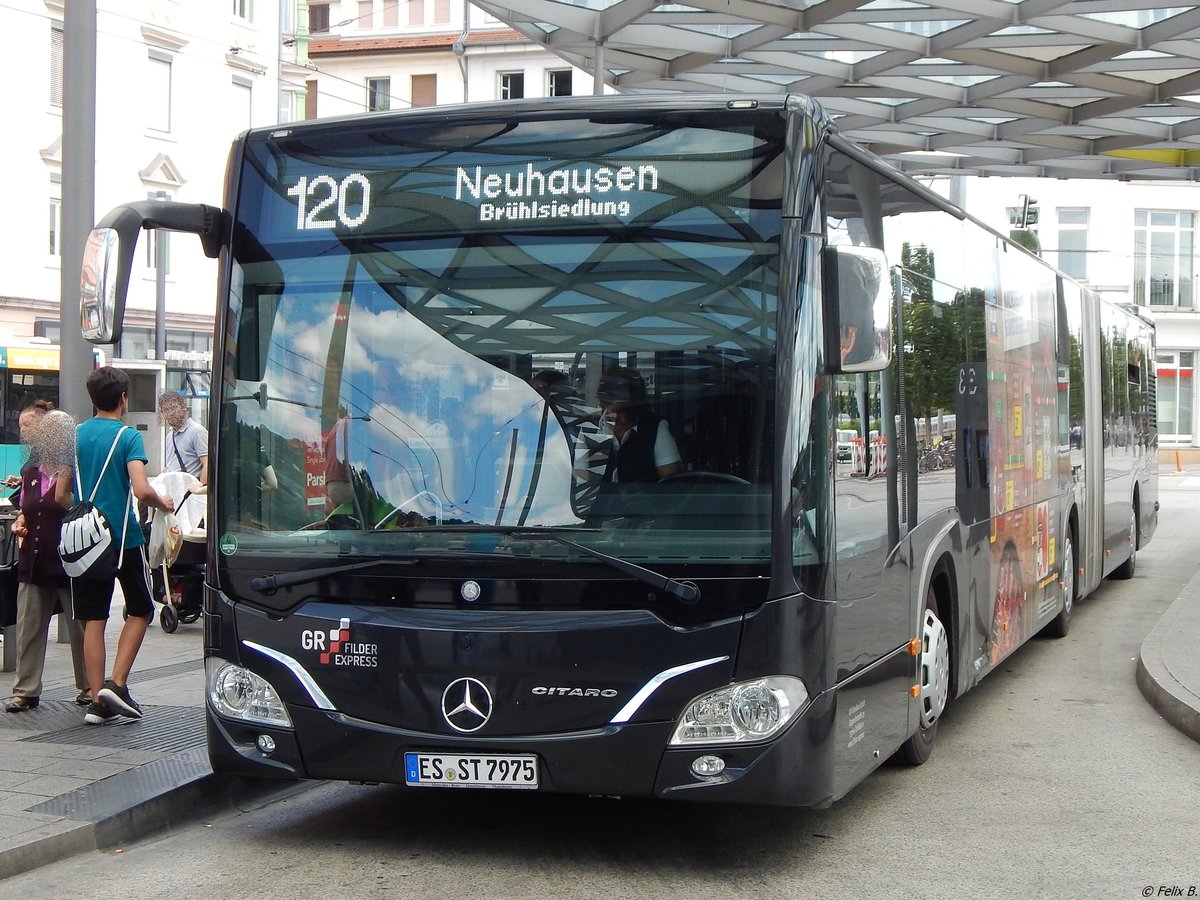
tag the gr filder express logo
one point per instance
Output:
(335, 647)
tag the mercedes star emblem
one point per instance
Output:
(466, 705)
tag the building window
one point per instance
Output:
(159, 88)
(512, 85)
(387, 13)
(1175, 371)
(441, 12)
(1163, 242)
(1072, 242)
(424, 90)
(56, 64)
(137, 342)
(291, 105)
(379, 94)
(243, 104)
(310, 98)
(318, 18)
(558, 83)
(244, 9)
(154, 235)
(55, 214)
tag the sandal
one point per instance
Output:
(84, 698)
(22, 704)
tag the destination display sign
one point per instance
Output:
(393, 183)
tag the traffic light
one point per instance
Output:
(1029, 211)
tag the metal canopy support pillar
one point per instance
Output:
(78, 216)
(79, 196)
(598, 69)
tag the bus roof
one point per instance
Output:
(551, 107)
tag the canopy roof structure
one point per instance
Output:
(1041, 88)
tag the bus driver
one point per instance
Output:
(645, 448)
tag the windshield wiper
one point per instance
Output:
(269, 584)
(685, 591)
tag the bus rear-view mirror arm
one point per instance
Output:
(108, 256)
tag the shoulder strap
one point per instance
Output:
(96, 487)
(103, 469)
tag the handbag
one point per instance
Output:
(8, 579)
(86, 539)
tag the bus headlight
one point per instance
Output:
(741, 713)
(237, 693)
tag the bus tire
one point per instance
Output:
(1061, 624)
(1126, 569)
(933, 668)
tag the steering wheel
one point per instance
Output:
(704, 478)
(342, 522)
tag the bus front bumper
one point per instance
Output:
(631, 760)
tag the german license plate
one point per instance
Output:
(485, 770)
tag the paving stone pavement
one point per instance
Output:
(67, 787)
(1168, 669)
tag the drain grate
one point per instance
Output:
(167, 729)
(123, 791)
(180, 668)
(49, 715)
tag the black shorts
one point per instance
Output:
(92, 599)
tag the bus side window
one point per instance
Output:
(971, 415)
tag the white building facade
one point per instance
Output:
(175, 82)
(370, 55)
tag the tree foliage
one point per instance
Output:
(933, 338)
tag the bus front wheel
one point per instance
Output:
(934, 670)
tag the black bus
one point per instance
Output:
(554, 390)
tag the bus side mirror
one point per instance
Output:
(858, 309)
(108, 257)
(103, 283)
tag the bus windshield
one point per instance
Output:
(440, 336)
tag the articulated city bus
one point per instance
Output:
(553, 391)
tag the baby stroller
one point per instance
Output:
(180, 586)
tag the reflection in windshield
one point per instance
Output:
(618, 381)
(383, 412)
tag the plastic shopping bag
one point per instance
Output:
(165, 539)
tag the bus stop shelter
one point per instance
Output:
(1038, 88)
